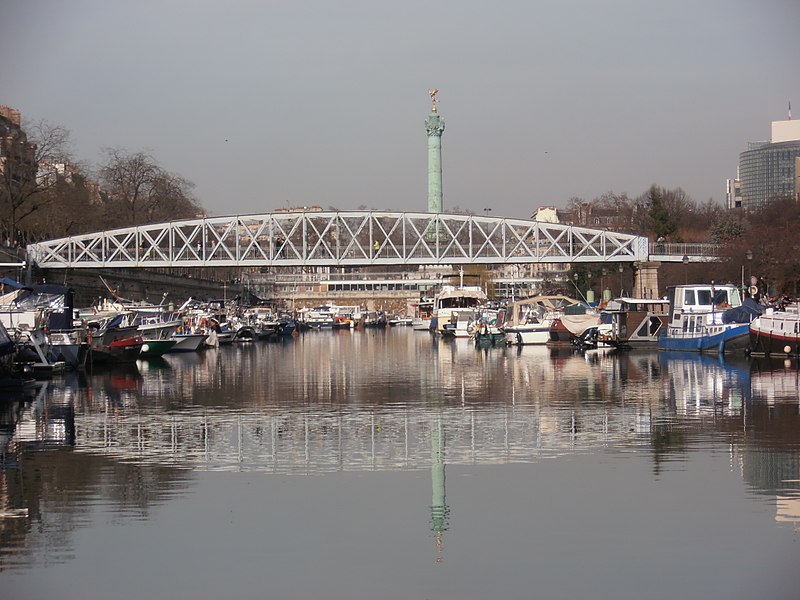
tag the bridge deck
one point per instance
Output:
(339, 239)
(353, 239)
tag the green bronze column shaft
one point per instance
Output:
(434, 125)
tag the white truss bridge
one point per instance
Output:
(338, 239)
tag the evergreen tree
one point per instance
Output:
(663, 223)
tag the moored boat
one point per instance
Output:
(573, 325)
(399, 321)
(40, 318)
(489, 335)
(71, 347)
(455, 303)
(347, 317)
(342, 322)
(532, 320)
(156, 348)
(635, 322)
(702, 318)
(120, 347)
(422, 315)
(374, 319)
(776, 332)
(320, 316)
(188, 342)
(462, 324)
(222, 330)
(245, 333)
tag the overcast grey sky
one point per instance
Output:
(268, 104)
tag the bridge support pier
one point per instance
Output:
(646, 279)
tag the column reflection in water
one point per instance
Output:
(440, 511)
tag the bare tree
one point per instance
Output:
(612, 200)
(32, 164)
(171, 199)
(138, 190)
(72, 207)
(128, 180)
(578, 210)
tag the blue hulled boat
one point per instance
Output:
(705, 318)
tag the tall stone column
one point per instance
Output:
(646, 279)
(434, 125)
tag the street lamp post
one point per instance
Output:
(621, 270)
(685, 261)
(749, 256)
(486, 211)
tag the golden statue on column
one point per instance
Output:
(432, 94)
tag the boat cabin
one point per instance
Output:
(452, 300)
(636, 322)
(693, 306)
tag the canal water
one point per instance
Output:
(392, 465)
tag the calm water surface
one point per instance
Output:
(392, 465)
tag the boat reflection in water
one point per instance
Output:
(771, 463)
(699, 383)
(538, 398)
(326, 403)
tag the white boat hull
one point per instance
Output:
(188, 342)
(421, 324)
(523, 335)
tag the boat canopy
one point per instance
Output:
(523, 311)
(55, 301)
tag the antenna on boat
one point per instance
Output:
(113, 291)
(580, 293)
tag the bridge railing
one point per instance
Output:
(693, 251)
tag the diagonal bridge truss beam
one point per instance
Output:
(339, 239)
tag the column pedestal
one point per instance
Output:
(646, 279)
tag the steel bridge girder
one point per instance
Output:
(358, 238)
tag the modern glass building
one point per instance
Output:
(771, 170)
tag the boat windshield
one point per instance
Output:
(718, 297)
(704, 297)
(459, 302)
(712, 297)
(726, 297)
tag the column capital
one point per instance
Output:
(434, 125)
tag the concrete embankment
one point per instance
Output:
(136, 284)
(151, 284)
(399, 303)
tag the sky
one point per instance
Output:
(268, 104)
